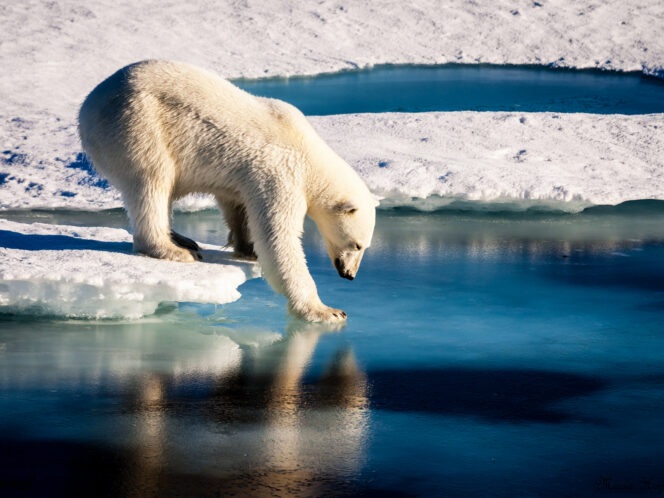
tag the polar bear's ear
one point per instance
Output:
(345, 207)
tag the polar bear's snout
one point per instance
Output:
(347, 264)
(343, 273)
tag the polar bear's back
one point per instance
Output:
(169, 82)
(148, 93)
(169, 119)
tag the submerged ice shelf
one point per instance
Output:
(92, 272)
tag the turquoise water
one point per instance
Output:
(513, 354)
(466, 88)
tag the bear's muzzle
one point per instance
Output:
(343, 272)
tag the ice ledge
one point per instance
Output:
(91, 272)
(426, 161)
(524, 160)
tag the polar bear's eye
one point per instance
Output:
(345, 208)
(358, 247)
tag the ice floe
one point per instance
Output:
(54, 53)
(92, 272)
(426, 160)
(563, 161)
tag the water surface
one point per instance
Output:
(485, 354)
(457, 87)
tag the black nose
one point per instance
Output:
(341, 270)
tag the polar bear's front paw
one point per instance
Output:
(323, 314)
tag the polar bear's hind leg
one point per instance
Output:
(236, 219)
(149, 211)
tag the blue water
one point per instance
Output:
(485, 354)
(466, 88)
(514, 354)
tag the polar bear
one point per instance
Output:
(160, 130)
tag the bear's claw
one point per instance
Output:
(324, 314)
(185, 242)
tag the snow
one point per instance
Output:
(562, 161)
(426, 160)
(54, 53)
(91, 272)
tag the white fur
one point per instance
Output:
(161, 130)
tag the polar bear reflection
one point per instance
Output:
(262, 426)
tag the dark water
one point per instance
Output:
(466, 88)
(485, 355)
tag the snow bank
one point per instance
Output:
(566, 161)
(426, 160)
(92, 272)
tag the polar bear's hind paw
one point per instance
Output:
(173, 253)
(184, 242)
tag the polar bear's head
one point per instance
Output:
(339, 202)
(347, 227)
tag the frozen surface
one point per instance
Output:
(566, 161)
(92, 272)
(54, 53)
